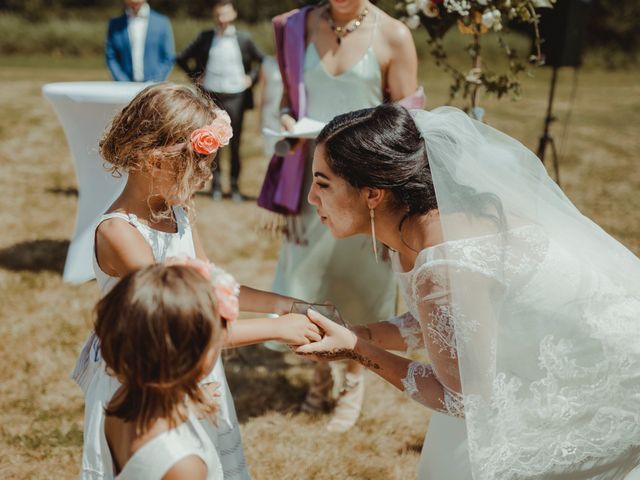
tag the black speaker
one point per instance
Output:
(563, 31)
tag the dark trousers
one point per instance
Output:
(233, 104)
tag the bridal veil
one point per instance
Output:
(546, 311)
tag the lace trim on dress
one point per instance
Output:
(416, 369)
(440, 330)
(410, 331)
(451, 402)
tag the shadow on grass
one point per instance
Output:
(35, 256)
(67, 191)
(262, 381)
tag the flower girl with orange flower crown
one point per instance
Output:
(166, 140)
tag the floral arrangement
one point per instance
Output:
(475, 18)
(225, 288)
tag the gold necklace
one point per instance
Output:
(342, 32)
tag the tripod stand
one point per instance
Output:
(546, 137)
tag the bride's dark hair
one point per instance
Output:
(381, 147)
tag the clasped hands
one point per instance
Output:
(323, 339)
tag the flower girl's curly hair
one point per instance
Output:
(158, 329)
(154, 128)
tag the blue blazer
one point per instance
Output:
(159, 50)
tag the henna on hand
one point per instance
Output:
(344, 353)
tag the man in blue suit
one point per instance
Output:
(139, 44)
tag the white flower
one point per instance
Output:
(412, 9)
(543, 3)
(482, 2)
(461, 7)
(412, 22)
(422, 4)
(491, 19)
(488, 19)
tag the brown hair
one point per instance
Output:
(155, 328)
(161, 116)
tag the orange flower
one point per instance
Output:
(205, 140)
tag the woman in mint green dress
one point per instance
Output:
(370, 60)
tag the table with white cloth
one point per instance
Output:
(85, 109)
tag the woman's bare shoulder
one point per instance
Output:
(395, 32)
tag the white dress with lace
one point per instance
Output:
(577, 399)
(98, 386)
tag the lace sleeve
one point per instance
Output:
(410, 331)
(422, 385)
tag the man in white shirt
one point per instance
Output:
(139, 44)
(226, 63)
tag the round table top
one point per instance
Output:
(94, 92)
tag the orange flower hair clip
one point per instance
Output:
(208, 139)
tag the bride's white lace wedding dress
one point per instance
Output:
(531, 262)
(530, 315)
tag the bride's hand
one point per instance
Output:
(338, 342)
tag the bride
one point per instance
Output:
(529, 313)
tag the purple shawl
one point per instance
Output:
(282, 185)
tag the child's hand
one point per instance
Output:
(297, 329)
(212, 390)
(210, 406)
(284, 304)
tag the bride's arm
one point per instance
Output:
(416, 379)
(400, 333)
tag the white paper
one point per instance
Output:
(304, 128)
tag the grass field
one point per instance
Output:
(44, 321)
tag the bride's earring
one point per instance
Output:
(372, 214)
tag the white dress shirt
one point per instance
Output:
(137, 26)
(225, 71)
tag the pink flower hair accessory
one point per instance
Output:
(225, 288)
(208, 139)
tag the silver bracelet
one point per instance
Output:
(285, 111)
